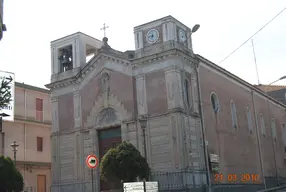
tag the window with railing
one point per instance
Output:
(39, 109)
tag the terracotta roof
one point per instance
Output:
(269, 88)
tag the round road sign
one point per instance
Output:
(91, 161)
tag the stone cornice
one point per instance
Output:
(86, 70)
(33, 163)
(21, 119)
(175, 52)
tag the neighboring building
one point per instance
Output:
(2, 25)
(183, 97)
(31, 130)
(278, 92)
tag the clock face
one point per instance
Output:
(182, 35)
(152, 36)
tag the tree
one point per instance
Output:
(5, 92)
(10, 178)
(124, 163)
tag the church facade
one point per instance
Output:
(181, 111)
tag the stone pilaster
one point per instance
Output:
(140, 139)
(77, 155)
(186, 140)
(124, 132)
(175, 138)
(55, 114)
(139, 40)
(148, 143)
(53, 61)
(141, 95)
(77, 109)
(174, 88)
(195, 96)
(95, 151)
(55, 160)
(87, 149)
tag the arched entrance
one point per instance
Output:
(109, 136)
(106, 116)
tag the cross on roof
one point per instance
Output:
(104, 29)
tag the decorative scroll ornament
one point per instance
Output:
(106, 116)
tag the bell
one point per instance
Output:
(65, 61)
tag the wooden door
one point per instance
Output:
(108, 138)
(41, 183)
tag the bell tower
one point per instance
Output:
(69, 53)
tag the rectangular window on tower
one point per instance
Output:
(39, 109)
(40, 144)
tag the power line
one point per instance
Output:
(252, 36)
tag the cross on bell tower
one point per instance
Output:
(104, 29)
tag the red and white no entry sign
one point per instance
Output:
(91, 161)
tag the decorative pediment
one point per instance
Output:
(89, 67)
(112, 114)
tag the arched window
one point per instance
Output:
(249, 119)
(215, 102)
(233, 114)
(262, 125)
(187, 92)
(273, 128)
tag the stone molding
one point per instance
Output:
(86, 70)
(174, 52)
(98, 106)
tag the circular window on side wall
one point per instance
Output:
(215, 102)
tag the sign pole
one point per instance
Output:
(92, 163)
(92, 182)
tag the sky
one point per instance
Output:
(225, 25)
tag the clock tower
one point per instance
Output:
(150, 37)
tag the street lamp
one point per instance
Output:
(15, 146)
(270, 124)
(194, 29)
(281, 78)
(143, 123)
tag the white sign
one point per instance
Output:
(151, 186)
(9, 110)
(214, 158)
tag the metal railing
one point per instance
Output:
(180, 180)
(30, 189)
(273, 189)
